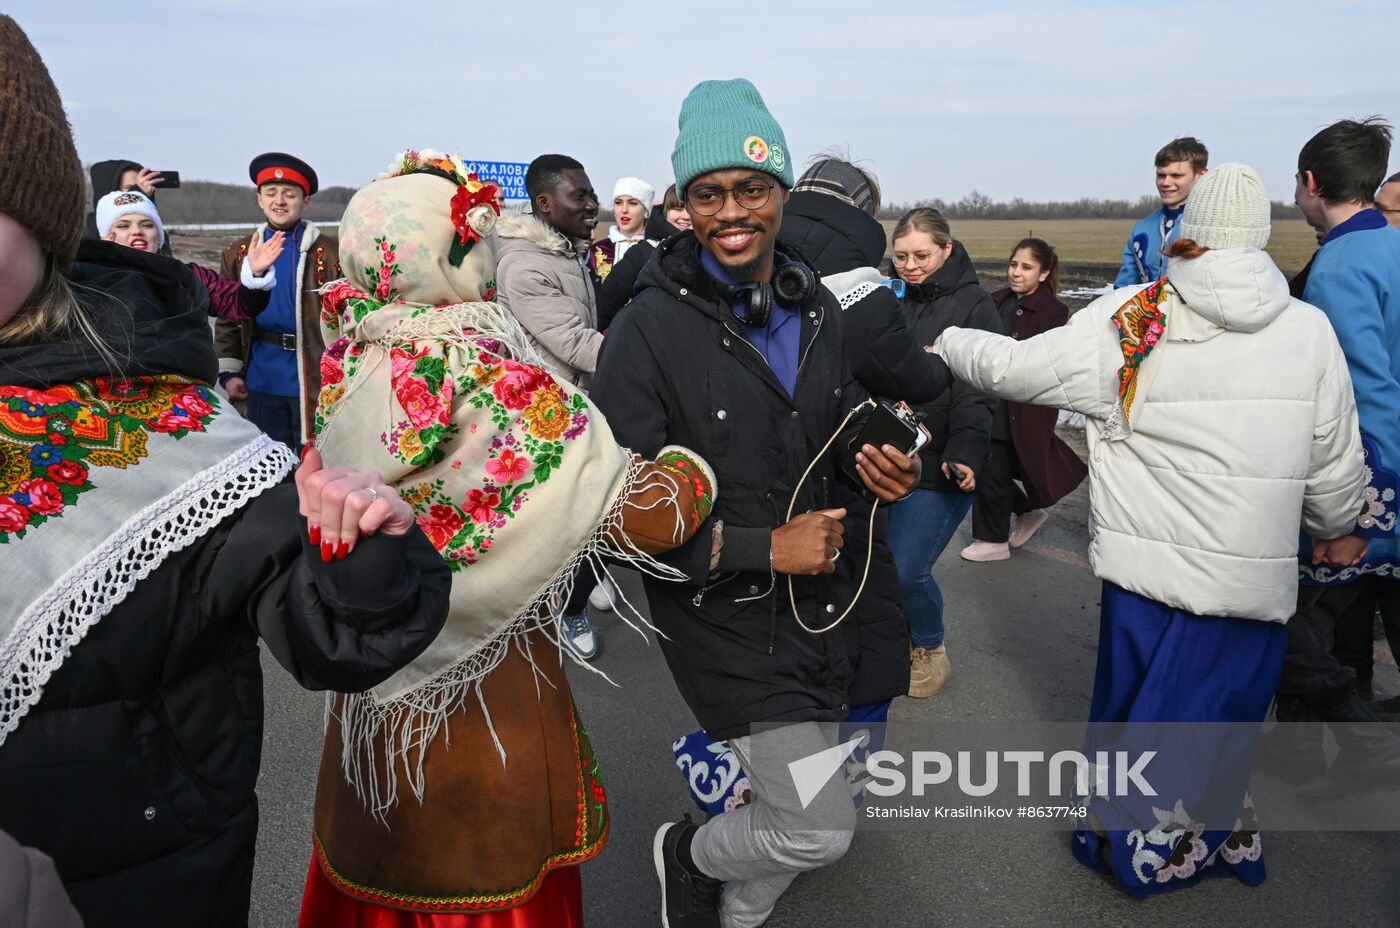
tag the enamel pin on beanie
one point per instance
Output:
(725, 124)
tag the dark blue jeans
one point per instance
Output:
(920, 528)
(278, 416)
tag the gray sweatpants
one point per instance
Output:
(760, 848)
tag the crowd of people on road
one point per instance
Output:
(407, 456)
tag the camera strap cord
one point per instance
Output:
(870, 529)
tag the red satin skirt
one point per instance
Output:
(558, 903)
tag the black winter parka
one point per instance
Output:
(677, 368)
(837, 237)
(135, 769)
(960, 418)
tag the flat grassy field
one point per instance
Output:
(1079, 241)
(1100, 241)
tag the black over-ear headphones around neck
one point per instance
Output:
(793, 285)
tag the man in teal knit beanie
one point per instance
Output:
(732, 347)
(724, 124)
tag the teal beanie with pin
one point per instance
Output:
(724, 124)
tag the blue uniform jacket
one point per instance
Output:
(1355, 280)
(1142, 256)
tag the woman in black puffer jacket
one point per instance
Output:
(163, 541)
(941, 290)
(151, 538)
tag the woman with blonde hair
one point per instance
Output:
(632, 209)
(940, 290)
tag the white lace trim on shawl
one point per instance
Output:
(853, 297)
(850, 287)
(48, 630)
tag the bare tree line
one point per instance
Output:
(977, 205)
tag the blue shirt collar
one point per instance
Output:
(716, 270)
(1364, 221)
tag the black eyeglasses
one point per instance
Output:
(708, 199)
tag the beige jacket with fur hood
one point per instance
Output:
(541, 279)
(1244, 430)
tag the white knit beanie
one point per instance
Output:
(1228, 208)
(636, 188)
(119, 203)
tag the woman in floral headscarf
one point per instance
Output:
(518, 482)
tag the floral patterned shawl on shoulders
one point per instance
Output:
(515, 477)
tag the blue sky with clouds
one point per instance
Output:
(1038, 100)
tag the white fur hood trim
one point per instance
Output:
(536, 231)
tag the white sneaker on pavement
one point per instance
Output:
(1026, 525)
(604, 596)
(986, 551)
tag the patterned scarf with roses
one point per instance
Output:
(1141, 324)
(100, 481)
(515, 477)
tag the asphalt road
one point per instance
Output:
(1021, 637)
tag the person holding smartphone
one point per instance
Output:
(940, 290)
(130, 218)
(119, 175)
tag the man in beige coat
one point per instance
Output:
(542, 277)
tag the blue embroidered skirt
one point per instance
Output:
(1159, 664)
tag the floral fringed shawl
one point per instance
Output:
(515, 478)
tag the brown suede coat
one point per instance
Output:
(487, 833)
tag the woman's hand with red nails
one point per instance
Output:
(342, 504)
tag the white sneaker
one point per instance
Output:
(604, 596)
(986, 551)
(1026, 525)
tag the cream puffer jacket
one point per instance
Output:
(1244, 428)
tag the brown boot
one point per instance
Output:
(928, 671)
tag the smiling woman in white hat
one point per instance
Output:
(631, 204)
